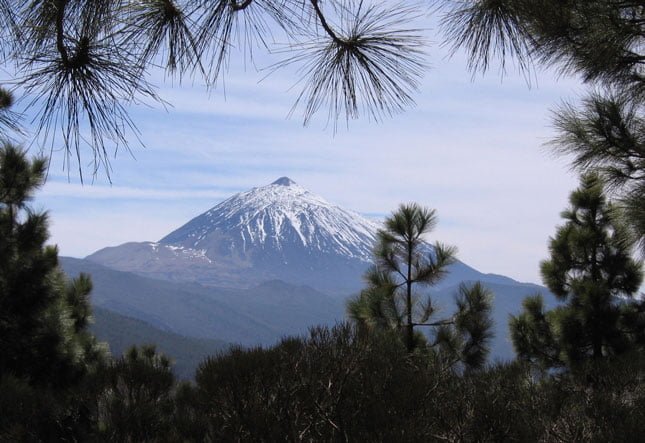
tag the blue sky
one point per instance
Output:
(473, 149)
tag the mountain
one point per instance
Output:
(265, 263)
(122, 332)
(276, 232)
(132, 309)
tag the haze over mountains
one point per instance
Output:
(263, 264)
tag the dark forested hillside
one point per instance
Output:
(121, 333)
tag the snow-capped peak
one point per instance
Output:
(278, 231)
(281, 219)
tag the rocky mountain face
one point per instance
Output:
(281, 220)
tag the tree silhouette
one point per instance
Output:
(591, 270)
(43, 316)
(135, 396)
(403, 262)
(601, 40)
(607, 136)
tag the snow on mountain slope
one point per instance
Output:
(279, 217)
(279, 231)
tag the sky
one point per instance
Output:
(473, 148)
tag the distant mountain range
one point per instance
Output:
(262, 264)
(258, 315)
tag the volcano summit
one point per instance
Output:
(279, 231)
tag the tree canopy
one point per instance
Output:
(591, 270)
(43, 315)
(600, 40)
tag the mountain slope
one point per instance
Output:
(269, 247)
(122, 332)
(258, 315)
(276, 232)
(282, 216)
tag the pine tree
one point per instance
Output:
(601, 40)
(403, 262)
(607, 136)
(43, 316)
(591, 270)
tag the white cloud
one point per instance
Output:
(73, 190)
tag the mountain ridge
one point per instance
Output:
(257, 316)
(121, 332)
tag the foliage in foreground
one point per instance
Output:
(337, 384)
(46, 352)
(83, 64)
(600, 41)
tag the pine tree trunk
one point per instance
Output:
(410, 329)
